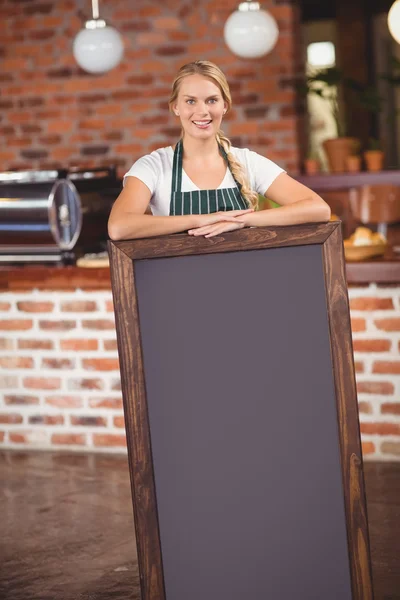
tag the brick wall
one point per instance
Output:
(55, 115)
(59, 378)
(376, 344)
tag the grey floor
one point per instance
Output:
(67, 533)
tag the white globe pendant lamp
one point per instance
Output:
(394, 21)
(250, 32)
(98, 48)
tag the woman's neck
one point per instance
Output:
(194, 149)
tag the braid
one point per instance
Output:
(238, 172)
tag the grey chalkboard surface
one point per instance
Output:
(234, 417)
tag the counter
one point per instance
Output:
(342, 181)
(53, 277)
(384, 269)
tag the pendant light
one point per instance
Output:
(394, 21)
(250, 32)
(98, 48)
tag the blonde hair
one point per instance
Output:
(210, 70)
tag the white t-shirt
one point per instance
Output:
(155, 170)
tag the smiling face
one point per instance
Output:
(200, 106)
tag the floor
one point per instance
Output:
(66, 527)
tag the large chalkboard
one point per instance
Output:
(241, 415)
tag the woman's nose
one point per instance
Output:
(203, 109)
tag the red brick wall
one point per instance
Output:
(59, 371)
(59, 375)
(55, 115)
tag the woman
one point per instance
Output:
(203, 185)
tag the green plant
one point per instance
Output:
(374, 144)
(356, 147)
(313, 155)
(366, 95)
(324, 83)
(394, 77)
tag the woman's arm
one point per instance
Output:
(297, 204)
(128, 220)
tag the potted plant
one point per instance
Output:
(324, 83)
(374, 155)
(353, 162)
(312, 163)
(393, 78)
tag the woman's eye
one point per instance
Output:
(213, 100)
(190, 100)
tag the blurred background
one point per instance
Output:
(84, 88)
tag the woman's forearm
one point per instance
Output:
(132, 226)
(309, 210)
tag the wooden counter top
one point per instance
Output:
(26, 277)
(382, 269)
(53, 277)
(341, 181)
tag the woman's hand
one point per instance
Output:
(207, 224)
(217, 228)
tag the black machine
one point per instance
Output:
(55, 216)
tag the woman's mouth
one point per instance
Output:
(202, 124)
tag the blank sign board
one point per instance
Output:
(241, 415)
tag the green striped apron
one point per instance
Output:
(201, 202)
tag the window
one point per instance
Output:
(321, 54)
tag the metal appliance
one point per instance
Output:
(51, 216)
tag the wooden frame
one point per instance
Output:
(123, 255)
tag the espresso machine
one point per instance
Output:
(55, 215)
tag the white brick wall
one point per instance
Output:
(375, 312)
(72, 387)
(64, 392)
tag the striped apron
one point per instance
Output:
(201, 202)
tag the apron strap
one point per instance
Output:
(177, 168)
